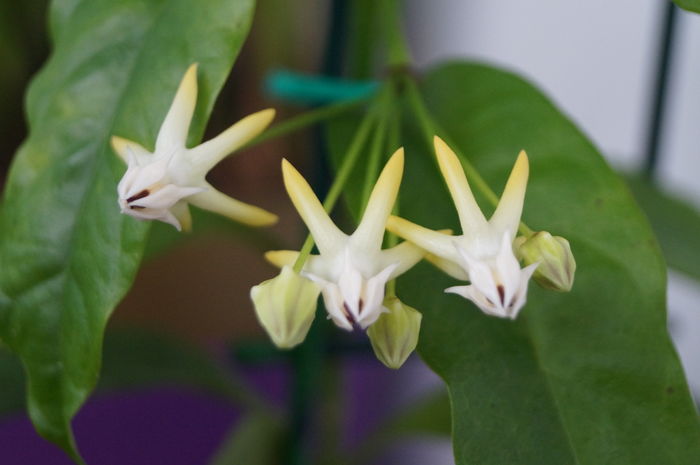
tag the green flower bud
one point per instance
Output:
(557, 265)
(395, 334)
(286, 306)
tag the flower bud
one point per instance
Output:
(395, 334)
(286, 306)
(557, 265)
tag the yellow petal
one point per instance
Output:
(427, 239)
(173, 131)
(213, 151)
(326, 234)
(470, 216)
(220, 203)
(405, 255)
(370, 232)
(280, 258)
(123, 147)
(510, 207)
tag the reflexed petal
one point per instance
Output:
(315, 264)
(404, 256)
(124, 148)
(208, 154)
(448, 266)
(432, 241)
(370, 231)
(328, 237)
(333, 300)
(166, 196)
(470, 216)
(220, 203)
(510, 207)
(173, 131)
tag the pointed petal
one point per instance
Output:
(326, 234)
(508, 269)
(453, 269)
(220, 203)
(176, 125)
(404, 256)
(370, 232)
(333, 300)
(208, 154)
(350, 284)
(510, 207)
(470, 216)
(181, 211)
(125, 147)
(432, 241)
(166, 197)
(315, 264)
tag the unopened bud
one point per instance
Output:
(557, 265)
(286, 306)
(394, 335)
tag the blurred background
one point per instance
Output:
(625, 72)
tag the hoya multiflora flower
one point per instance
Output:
(483, 254)
(161, 185)
(352, 270)
(557, 265)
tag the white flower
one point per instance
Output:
(351, 269)
(162, 184)
(483, 254)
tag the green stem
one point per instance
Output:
(304, 120)
(376, 146)
(399, 56)
(343, 174)
(429, 128)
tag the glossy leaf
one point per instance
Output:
(67, 254)
(675, 222)
(587, 377)
(690, 5)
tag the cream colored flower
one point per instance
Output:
(161, 185)
(286, 306)
(352, 270)
(483, 254)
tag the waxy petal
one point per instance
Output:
(404, 256)
(209, 153)
(470, 216)
(218, 202)
(370, 231)
(126, 148)
(181, 212)
(434, 242)
(173, 132)
(326, 234)
(510, 207)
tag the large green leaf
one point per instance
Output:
(587, 377)
(67, 254)
(675, 222)
(690, 5)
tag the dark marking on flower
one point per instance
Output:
(501, 293)
(140, 195)
(136, 207)
(360, 306)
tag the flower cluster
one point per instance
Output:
(351, 271)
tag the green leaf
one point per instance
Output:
(588, 377)
(257, 440)
(12, 379)
(690, 5)
(675, 222)
(67, 254)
